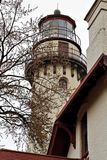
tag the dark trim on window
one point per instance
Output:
(84, 134)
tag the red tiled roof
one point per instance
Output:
(16, 155)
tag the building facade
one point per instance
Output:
(97, 26)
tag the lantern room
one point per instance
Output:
(58, 25)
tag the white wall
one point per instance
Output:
(96, 107)
(97, 33)
(97, 122)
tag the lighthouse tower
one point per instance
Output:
(57, 64)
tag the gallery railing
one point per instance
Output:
(59, 32)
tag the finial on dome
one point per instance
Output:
(57, 11)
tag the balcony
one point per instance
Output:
(52, 53)
(59, 32)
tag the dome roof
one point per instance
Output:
(57, 12)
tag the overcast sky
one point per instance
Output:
(76, 9)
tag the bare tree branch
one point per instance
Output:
(25, 109)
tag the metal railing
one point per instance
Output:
(52, 51)
(59, 32)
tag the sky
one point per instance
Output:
(77, 10)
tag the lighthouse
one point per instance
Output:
(57, 67)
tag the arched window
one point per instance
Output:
(63, 83)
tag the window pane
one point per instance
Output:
(62, 23)
(55, 23)
(69, 26)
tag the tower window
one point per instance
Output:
(54, 69)
(45, 70)
(72, 72)
(64, 70)
(63, 83)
